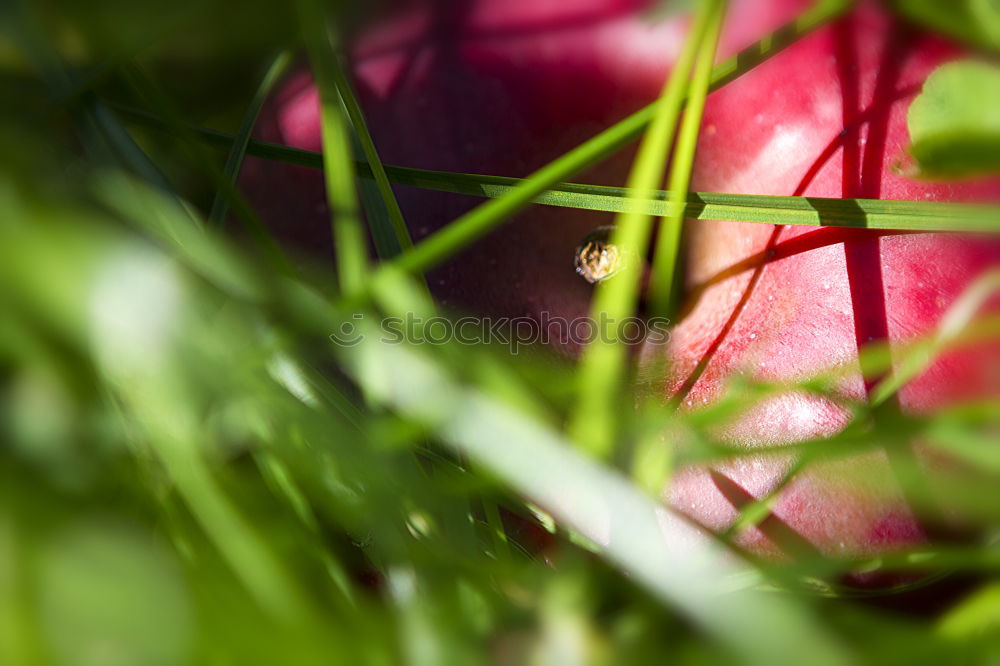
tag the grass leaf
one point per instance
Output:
(238, 149)
(602, 369)
(397, 226)
(350, 246)
(668, 241)
(483, 219)
(888, 215)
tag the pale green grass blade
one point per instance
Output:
(977, 615)
(660, 553)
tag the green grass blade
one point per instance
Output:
(104, 127)
(668, 240)
(220, 206)
(383, 237)
(395, 216)
(885, 215)
(879, 214)
(350, 245)
(601, 370)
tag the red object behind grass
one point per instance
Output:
(503, 86)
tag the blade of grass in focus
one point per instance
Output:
(397, 226)
(350, 246)
(603, 366)
(668, 240)
(879, 214)
(385, 220)
(238, 149)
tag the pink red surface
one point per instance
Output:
(503, 86)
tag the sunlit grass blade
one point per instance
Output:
(668, 240)
(350, 245)
(977, 615)
(602, 368)
(879, 214)
(237, 151)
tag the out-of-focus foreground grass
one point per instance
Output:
(191, 472)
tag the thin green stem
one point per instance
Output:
(350, 246)
(395, 215)
(602, 368)
(668, 241)
(238, 150)
(925, 216)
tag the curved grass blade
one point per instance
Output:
(220, 206)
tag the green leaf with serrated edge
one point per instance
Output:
(955, 121)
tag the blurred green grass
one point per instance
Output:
(192, 473)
